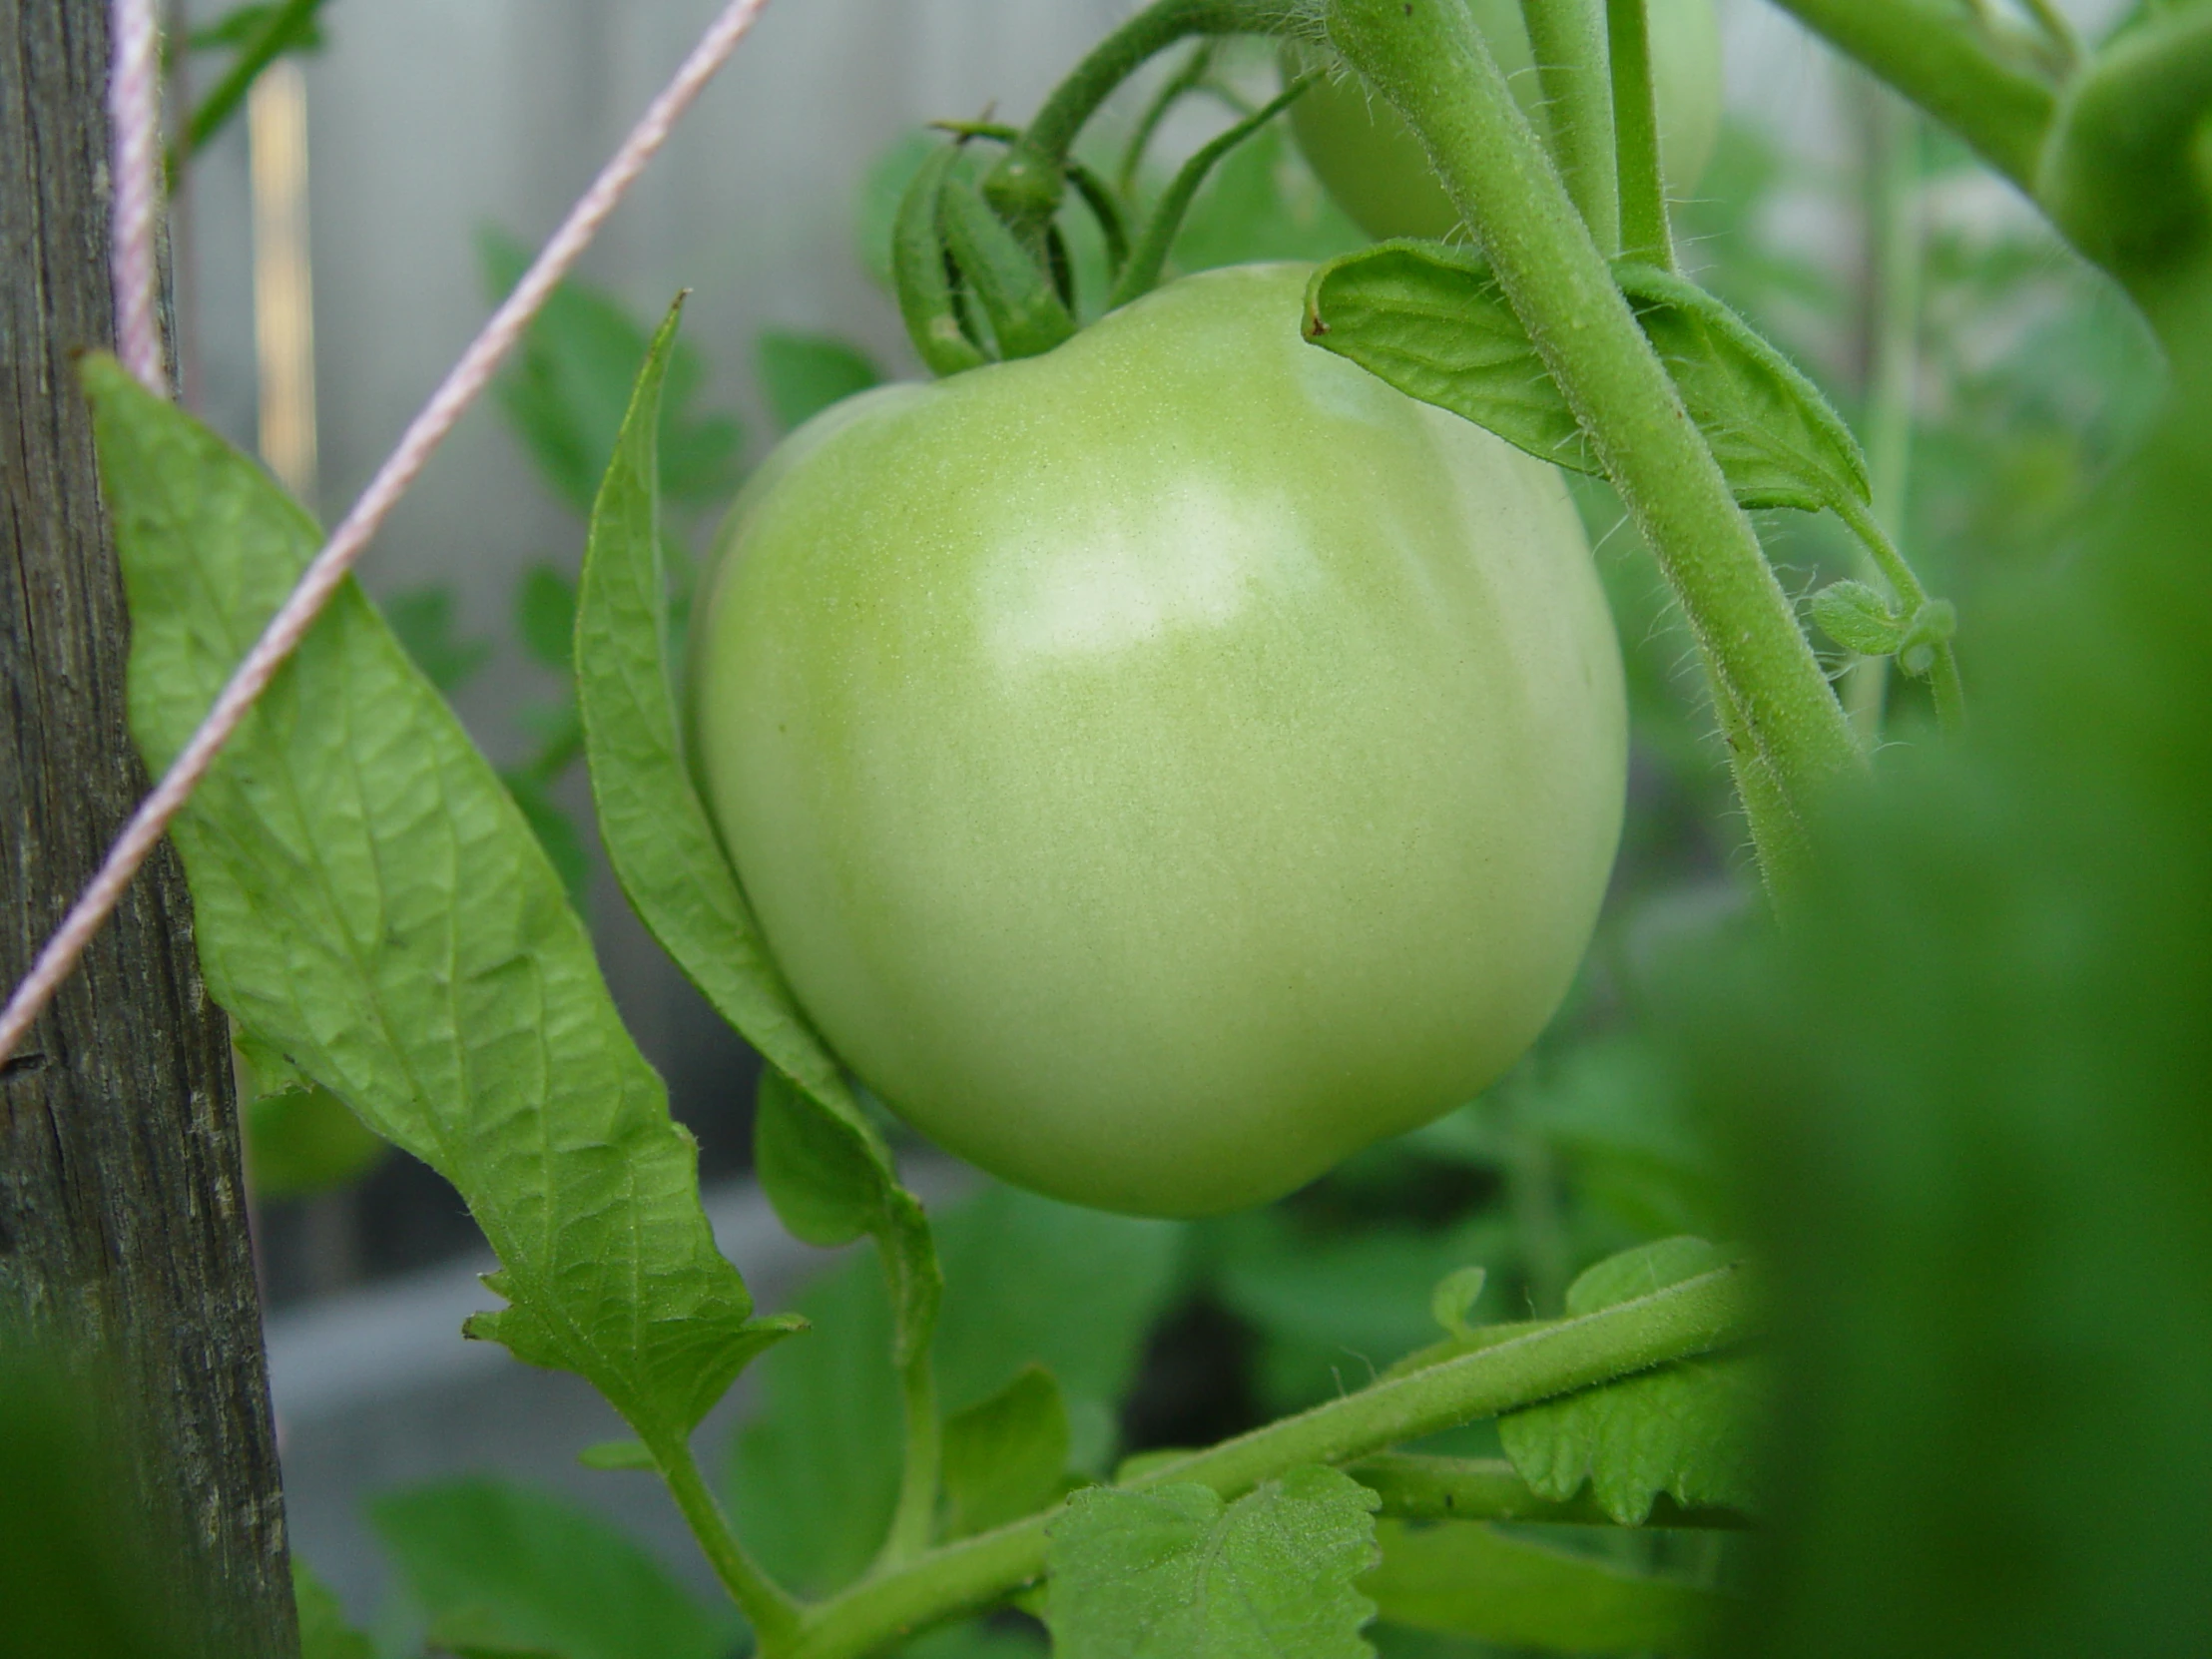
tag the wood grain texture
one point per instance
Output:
(123, 1222)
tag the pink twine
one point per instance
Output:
(289, 625)
(134, 116)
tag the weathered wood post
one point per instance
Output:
(123, 1227)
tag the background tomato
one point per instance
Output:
(1375, 166)
(1165, 765)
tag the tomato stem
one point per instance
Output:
(921, 1473)
(767, 1606)
(1786, 732)
(1645, 234)
(1568, 38)
(1694, 1317)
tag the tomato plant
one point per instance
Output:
(1373, 163)
(1168, 764)
(1165, 754)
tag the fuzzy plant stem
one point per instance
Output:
(1786, 733)
(1645, 234)
(1694, 1317)
(774, 1615)
(1569, 39)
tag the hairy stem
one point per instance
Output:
(767, 1606)
(1643, 187)
(1786, 731)
(1945, 64)
(1416, 1488)
(1568, 38)
(1694, 1317)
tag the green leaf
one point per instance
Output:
(813, 1472)
(1004, 1457)
(545, 616)
(821, 1177)
(423, 620)
(568, 390)
(557, 833)
(323, 1632)
(1857, 618)
(1430, 319)
(499, 1568)
(1776, 437)
(815, 1475)
(1172, 1572)
(823, 1157)
(1460, 1578)
(802, 374)
(369, 900)
(1688, 1430)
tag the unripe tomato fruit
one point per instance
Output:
(1164, 767)
(1376, 171)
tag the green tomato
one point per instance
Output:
(1376, 168)
(1163, 766)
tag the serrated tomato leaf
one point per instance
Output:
(372, 904)
(1688, 1430)
(1462, 1579)
(1174, 1572)
(822, 1164)
(1430, 319)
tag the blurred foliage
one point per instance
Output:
(81, 1572)
(1968, 1087)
